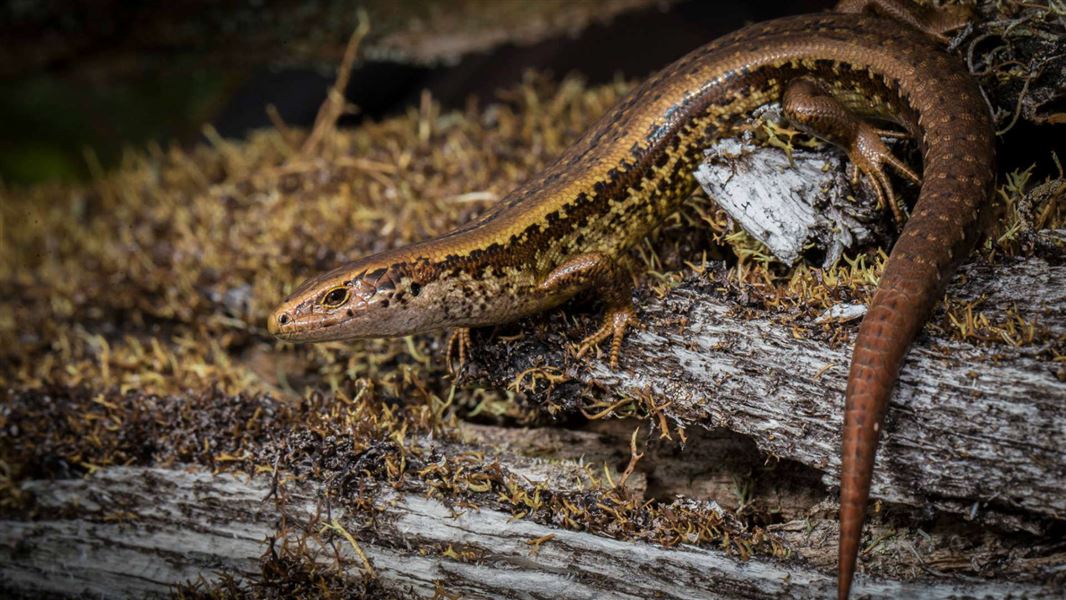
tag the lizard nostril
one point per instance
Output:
(283, 319)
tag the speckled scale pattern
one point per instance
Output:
(633, 167)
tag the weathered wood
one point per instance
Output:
(972, 430)
(134, 532)
(789, 202)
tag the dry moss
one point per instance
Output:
(288, 572)
(160, 276)
(156, 281)
(133, 328)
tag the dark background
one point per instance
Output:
(80, 81)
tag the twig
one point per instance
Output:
(338, 528)
(634, 458)
(335, 106)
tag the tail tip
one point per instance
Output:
(843, 586)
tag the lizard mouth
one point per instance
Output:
(284, 326)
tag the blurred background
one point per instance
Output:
(80, 80)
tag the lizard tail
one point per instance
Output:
(958, 179)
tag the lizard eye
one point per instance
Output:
(335, 297)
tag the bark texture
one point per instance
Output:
(135, 532)
(974, 430)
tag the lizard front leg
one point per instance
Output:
(602, 273)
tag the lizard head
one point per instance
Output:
(378, 296)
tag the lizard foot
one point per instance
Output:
(808, 105)
(615, 323)
(870, 156)
(458, 343)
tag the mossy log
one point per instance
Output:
(973, 429)
(138, 532)
(960, 442)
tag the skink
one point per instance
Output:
(566, 229)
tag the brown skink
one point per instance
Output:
(566, 229)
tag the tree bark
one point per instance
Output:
(974, 430)
(136, 532)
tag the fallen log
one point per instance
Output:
(138, 532)
(973, 430)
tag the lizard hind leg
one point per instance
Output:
(936, 22)
(810, 107)
(612, 282)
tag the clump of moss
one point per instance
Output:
(134, 332)
(287, 572)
